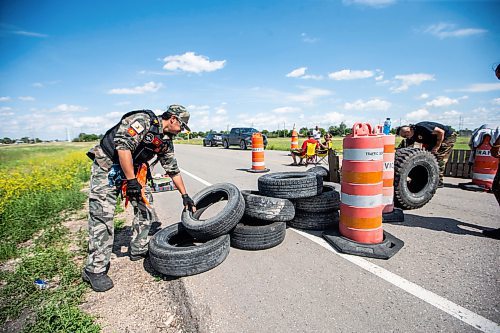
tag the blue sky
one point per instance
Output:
(77, 66)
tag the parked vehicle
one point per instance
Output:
(212, 140)
(240, 136)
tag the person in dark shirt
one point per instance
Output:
(434, 137)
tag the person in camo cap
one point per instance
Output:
(136, 139)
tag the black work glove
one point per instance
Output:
(187, 201)
(133, 188)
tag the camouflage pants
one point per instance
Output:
(444, 152)
(102, 203)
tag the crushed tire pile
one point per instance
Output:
(250, 220)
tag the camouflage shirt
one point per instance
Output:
(130, 134)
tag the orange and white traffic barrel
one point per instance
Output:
(485, 165)
(388, 172)
(295, 140)
(362, 186)
(258, 164)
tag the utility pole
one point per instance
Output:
(284, 135)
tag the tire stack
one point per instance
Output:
(250, 220)
(316, 204)
(197, 245)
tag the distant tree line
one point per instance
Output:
(83, 137)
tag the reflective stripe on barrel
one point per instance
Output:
(361, 188)
(258, 152)
(485, 165)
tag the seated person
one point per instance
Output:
(327, 144)
(302, 152)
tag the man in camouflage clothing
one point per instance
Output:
(435, 137)
(136, 139)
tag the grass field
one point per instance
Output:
(284, 143)
(40, 185)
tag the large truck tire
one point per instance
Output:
(267, 208)
(253, 234)
(416, 177)
(173, 252)
(290, 185)
(222, 222)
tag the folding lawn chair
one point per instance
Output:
(322, 155)
(310, 155)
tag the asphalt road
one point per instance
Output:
(445, 279)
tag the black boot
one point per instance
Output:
(98, 281)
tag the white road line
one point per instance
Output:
(204, 182)
(467, 316)
(455, 310)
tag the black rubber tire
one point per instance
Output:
(416, 177)
(172, 252)
(314, 221)
(253, 234)
(204, 143)
(267, 208)
(327, 201)
(225, 144)
(222, 222)
(290, 185)
(320, 170)
(243, 145)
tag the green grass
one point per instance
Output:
(284, 143)
(12, 155)
(31, 231)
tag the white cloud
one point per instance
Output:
(308, 39)
(4, 98)
(347, 74)
(370, 3)
(5, 108)
(297, 72)
(411, 80)
(417, 115)
(309, 95)
(38, 85)
(496, 101)
(220, 111)
(286, 109)
(479, 87)
(441, 101)
(190, 62)
(29, 34)
(122, 103)
(26, 98)
(68, 108)
(301, 73)
(146, 88)
(197, 107)
(6, 113)
(445, 30)
(379, 77)
(423, 96)
(373, 104)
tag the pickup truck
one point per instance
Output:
(241, 136)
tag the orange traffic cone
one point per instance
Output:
(258, 164)
(295, 140)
